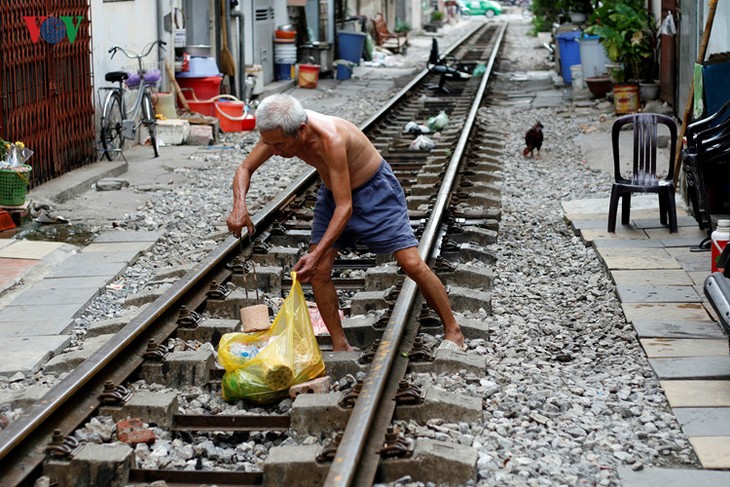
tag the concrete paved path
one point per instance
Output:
(660, 286)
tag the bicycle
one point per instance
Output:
(526, 9)
(118, 123)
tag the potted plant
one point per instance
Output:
(628, 32)
(437, 18)
(577, 10)
(402, 27)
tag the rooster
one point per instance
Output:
(533, 140)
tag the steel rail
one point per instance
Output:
(21, 429)
(65, 390)
(419, 77)
(377, 116)
(357, 458)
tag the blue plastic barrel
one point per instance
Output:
(282, 71)
(569, 53)
(350, 46)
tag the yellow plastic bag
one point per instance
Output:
(284, 355)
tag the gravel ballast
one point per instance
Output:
(569, 395)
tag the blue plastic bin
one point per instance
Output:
(569, 53)
(715, 77)
(343, 72)
(282, 71)
(350, 46)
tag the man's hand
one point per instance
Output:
(306, 267)
(238, 219)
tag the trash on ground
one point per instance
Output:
(320, 329)
(110, 184)
(438, 122)
(416, 129)
(422, 142)
(46, 218)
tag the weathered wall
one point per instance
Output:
(127, 24)
(720, 35)
(691, 28)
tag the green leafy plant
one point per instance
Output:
(580, 6)
(541, 24)
(628, 32)
(401, 26)
(547, 12)
(437, 16)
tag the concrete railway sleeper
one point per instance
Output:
(138, 383)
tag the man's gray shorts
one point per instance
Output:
(379, 215)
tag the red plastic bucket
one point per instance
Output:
(206, 107)
(308, 75)
(203, 107)
(200, 88)
(231, 117)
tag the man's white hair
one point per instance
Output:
(280, 112)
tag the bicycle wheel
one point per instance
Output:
(112, 140)
(149, 120)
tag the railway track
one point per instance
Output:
(453, 194)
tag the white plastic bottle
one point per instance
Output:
(720, 238)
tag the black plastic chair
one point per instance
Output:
(712, 159)
(643, 178)
(447, 67)
(698, 133)
(709, 122)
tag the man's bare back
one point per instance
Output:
(323, 131)
(340, 152)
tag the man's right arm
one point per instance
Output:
(239, 216)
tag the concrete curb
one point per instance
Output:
(78, 181)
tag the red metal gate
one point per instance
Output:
(46, 94)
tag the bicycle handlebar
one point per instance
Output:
(133, 55)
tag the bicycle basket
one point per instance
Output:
(152, 76)
(133, 79)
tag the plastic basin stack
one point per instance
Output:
(200, 83)
(285, 54)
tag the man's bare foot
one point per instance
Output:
(344, 347)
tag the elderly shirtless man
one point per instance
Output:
(360, 200)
